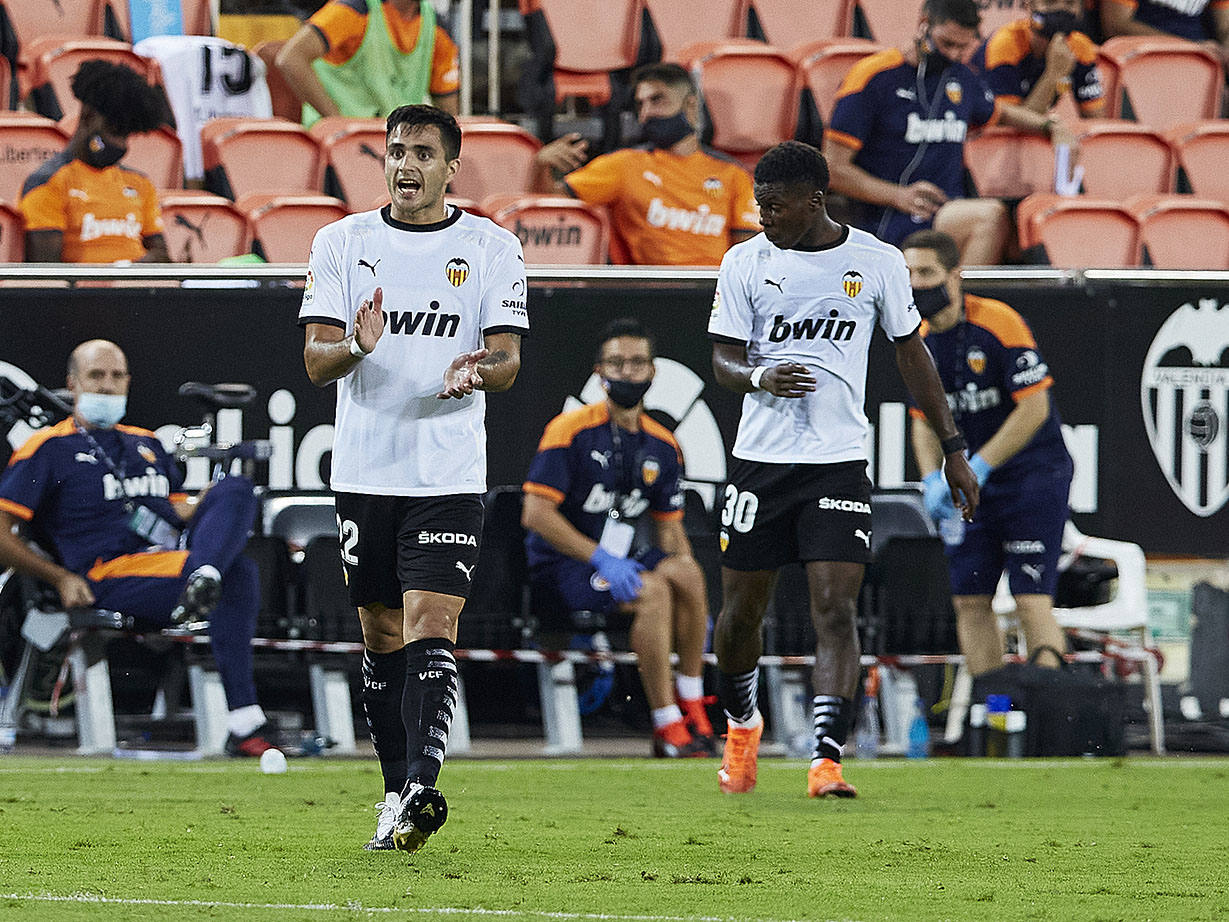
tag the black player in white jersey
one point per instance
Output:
(791, 326)
(440, 298)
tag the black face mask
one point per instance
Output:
(665, 132)
(100, 155)
(933, 60)
(626, 394)
(1052, 23)
(929, 301)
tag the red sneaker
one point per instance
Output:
(673, 741)
(695, 715)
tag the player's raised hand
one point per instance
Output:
(462, 375)
(788, 379)
(369, 321)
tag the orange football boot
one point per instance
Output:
(738, 761)
(824, 778)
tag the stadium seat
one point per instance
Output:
(1160, 81)
(822, 65)
(245, 156)
(50, 63)
(495, 157)
(1079, 232)
(26, 141)
(889, 22)
(157, 154)
(296, 519)
(750, 93)
(1202, 151)
(679, 23)
(1182, 231)
(28, 20)
(1123, 158)
(286, 102)
(1009, 164)
(203, 228)
(788, 23)
(12, 235)
(555, 230)
(352, 154)
(592, 38)
(284, 225)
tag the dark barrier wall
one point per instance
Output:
(1142, 376)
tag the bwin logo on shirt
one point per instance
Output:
(428, 323)
(832, 328)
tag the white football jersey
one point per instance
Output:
(819, 309)
(445, 286)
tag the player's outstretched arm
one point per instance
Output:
(330, 354)
(734, 371)
(917, 369)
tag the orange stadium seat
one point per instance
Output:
(286, 102)
(157, 154)
(789, 23)
(1079, 232)
(1008, 163)
(1182, 231)
(28, 20)
(12, 235)
(554, 230)
(592, 38)
(50, 63)
(245, 156)
(823, 65)
(284, 225)
(750, 91)
(889, 22)
(26, 141)
(495, 157)
(679, 23)
(203, 228)
(1123, 158)
(352, 151)
(1202, 151)
(1159, 80)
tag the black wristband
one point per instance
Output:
(953, 443)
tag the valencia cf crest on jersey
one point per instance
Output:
(713, 185)
(851, 281)
(976, 359)
(650, 469)
(954, 91)
(147, 453)
(457, 271)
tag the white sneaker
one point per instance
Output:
(389, 807)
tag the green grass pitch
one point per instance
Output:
(622, 840)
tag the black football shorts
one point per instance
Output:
(392, 544)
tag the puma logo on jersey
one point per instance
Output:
(601, 457)
(1032, 570)
(371, 266)
(652, 177)
(864, 535)
(86, 457)
(468, 571)
(776, 285)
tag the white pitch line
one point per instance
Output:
(355, 907)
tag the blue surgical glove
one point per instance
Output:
(622, 574)
(981, 468)
(937, 496)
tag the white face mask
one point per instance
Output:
(102, 410)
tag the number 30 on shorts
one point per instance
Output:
(739, 509)
(348, 533)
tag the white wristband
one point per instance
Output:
(757, 375)
(355, 349)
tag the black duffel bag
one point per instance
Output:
(1071, 711)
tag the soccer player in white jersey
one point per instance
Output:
(791, 325)
(414, 310)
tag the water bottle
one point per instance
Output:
(997, 709)
(1016, 722)
(976, 742)
(866, 737)
(919, 732)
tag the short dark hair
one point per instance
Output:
(961, 12)
(421, 116)
(120, 95)
(793, 162)
(943, 244)
(666, 72)
(624, 326)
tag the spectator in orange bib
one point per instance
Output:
(83, 206)
(671, 201)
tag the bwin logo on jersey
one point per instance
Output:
(457, 271)
(832, 328)
(428, 323)
(1184, 392)
(851, 281)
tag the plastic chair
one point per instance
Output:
(496, 157)
(1202, 150)
(50, 63)
(298, 519)
(248, 156)
(592, 38)
(750, 92)
(31, 19)
(890, 22)
(1079, 232)
(203, 228)
(1182, 232)
(555, 230)
(1008, 163)
(157, 154)
(822, 66)
(12, 235)
(352, 151)
(1159, 80)
(284, 225)
(787, 23)
(1123, 158)
(27, 140)
(679, 23)
(286, 102)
